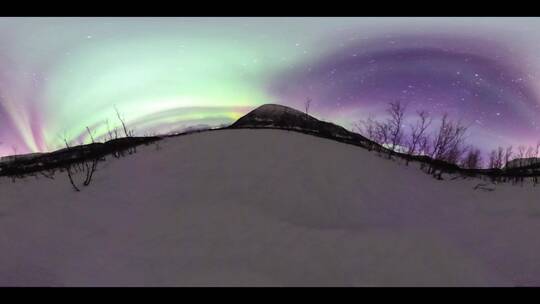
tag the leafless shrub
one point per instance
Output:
(508, 155)
(496, 158)
(418, 137)
(394, 124)
(90, 133)
(68, 170)
(126, 132)
(372, 130)
(521, 151)
(90, 169)
(472, 159)
(86, 167)
(448, 141)
(530, 153)
(367, 127)
(307, 105)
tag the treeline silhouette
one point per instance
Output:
(441, 146)
(78, 162)
(438, 146)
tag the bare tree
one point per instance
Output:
(500, 157)
(308, 103)
(418, 131)
(508, 155)
(424, 146)
(382, 133)
(68, 169)
(87, 167)
(395, 124)
(368, 127)
(126, 132)
(473, 158)
(374, 130)
(418, 135)
(530, 153)
(388, 133)
(446, 147)
(496, 158)
(112, 134)
(90, 169)
(521, 151)
(371, 129)
(448, 141)
(90, 133)
(455, 153)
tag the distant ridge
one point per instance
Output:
(528, 162)
(274, 116)
(29, 163)
(267, 116)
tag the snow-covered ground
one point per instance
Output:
(265, 207)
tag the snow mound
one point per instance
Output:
(265, 207)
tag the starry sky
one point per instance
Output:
(61, 75)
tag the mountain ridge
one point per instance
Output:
(284, 117)
(267, 116)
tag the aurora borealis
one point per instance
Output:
(60, 75)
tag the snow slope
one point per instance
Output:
(265, 207)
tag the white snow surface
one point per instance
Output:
(270, 208)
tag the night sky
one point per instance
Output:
(59, 75)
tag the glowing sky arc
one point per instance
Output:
(61, 75)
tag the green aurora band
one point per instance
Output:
(61, 75)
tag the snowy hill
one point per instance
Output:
(265, 207)
(274, 115)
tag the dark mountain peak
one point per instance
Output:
(283, 117)
(275, 109)
(274, 115)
